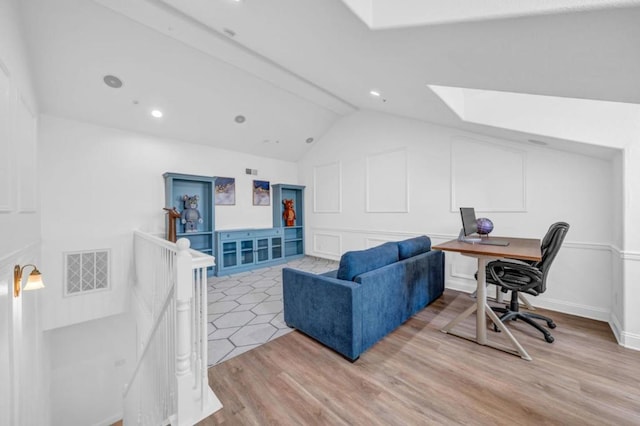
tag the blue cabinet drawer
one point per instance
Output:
(239, 234)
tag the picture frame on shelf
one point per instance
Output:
(225, 191)
(261, 193)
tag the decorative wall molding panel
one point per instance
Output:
(399, 234)
(327, 185)
(5, 140)
(328, 244)
(563, 287)
(26, 138)
(489, 177)
(460, 269)
(387, 182)
(374, 242)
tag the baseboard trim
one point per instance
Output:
(585, 311)
(631, 340)
(110, 420)
(628, 340)
(614, 323)
(550, 304)
(460, 285)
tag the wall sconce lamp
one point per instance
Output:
(34, 282)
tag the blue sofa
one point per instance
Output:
(372, 293)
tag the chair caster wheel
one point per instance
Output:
(549, 339)
(551, 325)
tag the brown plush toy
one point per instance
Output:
(289, 214)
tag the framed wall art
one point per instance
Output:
(261, 193)
(225, 191)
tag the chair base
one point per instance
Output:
(528, 317)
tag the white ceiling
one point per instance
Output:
(295, 66)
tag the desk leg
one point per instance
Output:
(447, 328)
(481, 302)
(519, 349)
(482, 310)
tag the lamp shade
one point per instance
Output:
(34, 282)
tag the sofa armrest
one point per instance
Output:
(325, 308)
(393, 293)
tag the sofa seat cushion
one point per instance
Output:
(354, 263)
(413, 247)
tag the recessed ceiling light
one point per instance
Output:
(240, 119)
(112, 81)
(156, 113)
(309, 140)
(375, 93)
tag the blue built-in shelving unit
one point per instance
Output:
(176, 185)
(293, 235)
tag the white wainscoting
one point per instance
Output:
(630, 265)
(489, 177)
(579, 283)
(22, 354)
(327, 245)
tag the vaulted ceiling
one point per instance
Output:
(294, 67)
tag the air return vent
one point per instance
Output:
(86, 271)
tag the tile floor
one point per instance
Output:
(245, 309)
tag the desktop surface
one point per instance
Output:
(518, 248)
(492, 242)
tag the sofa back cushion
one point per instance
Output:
(413, 247)
(354, 263)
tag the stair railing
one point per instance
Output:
(169, 384)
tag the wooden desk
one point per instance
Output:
(518, 248)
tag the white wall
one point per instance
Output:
(630, 255)
(556, 186)
(98, 185)
(90, 364)
(22, 352)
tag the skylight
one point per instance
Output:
(378, 14)
(611, 124)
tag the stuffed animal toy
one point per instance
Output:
(190, 215)
(289, 214)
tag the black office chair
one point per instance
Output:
(527, 277)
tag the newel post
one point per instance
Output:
(184, 293)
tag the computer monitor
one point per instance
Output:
(469, 225)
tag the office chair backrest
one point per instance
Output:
(550, 246)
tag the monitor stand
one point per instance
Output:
(464, 239)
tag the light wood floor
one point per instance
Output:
(418, 375)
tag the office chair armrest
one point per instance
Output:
(506, 273)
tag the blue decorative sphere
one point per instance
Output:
(484, 225)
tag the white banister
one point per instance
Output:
(170, 384)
